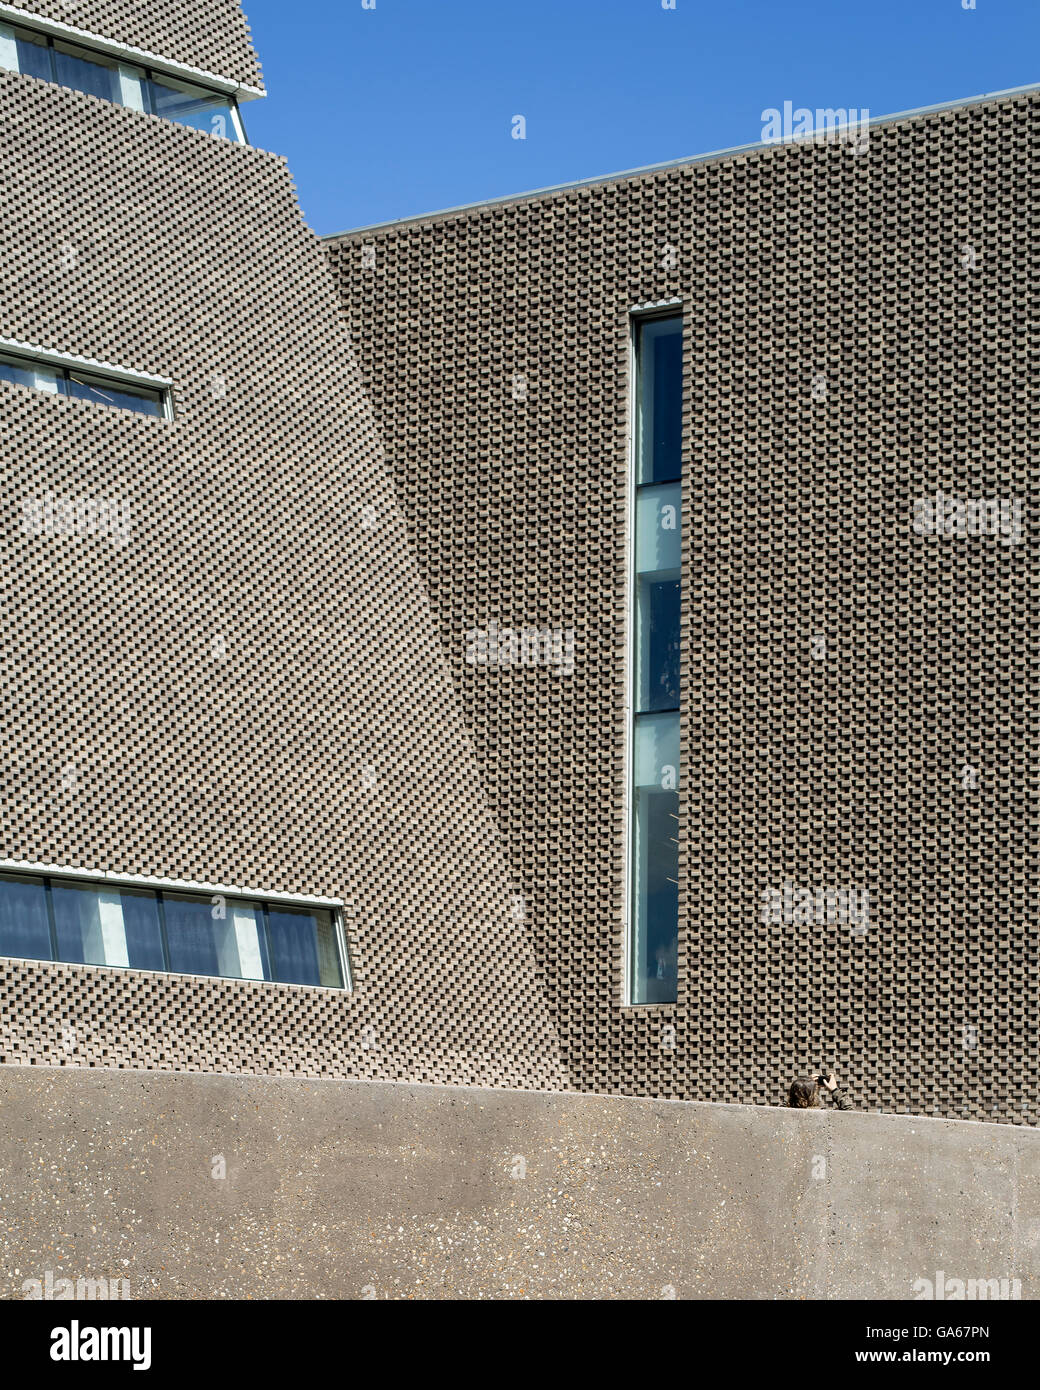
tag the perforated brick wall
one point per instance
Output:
(859, 334)
(212, 35)
(248, 690)
(267, 685)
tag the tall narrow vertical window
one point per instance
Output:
(656, 629)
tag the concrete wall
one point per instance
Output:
(345, 1189)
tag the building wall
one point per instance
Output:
(250, 691)
(856, 338)
(267, 686)
(263, 1187)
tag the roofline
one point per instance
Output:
(709, 157)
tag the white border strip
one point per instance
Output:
(177, 884)
(54, 29)
(656, 307)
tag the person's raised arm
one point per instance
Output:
(838, 1097)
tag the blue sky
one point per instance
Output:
(408, 108)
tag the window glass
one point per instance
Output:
(131, 87)
(303, 947)
(654, 832)
(143, 934)
(656, 854)
(33, 374)
(96, 927)
(95, 73)
(658, 643)
(656, 760)
(655, 909)
(89, 925)
(658, 534)
(8, 48)
(242, 943)
(191, 106)
(219, 937)
(84, 387)
(191, 934)
(137, 928)
(19, 375)
(35, 59)
(24, 920)
(86, 72)
(659, 413)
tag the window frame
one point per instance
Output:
(151, 79)
(127, 71)
(49, 875)
(93, 375)
(637, 316)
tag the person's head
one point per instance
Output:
(804, 1094)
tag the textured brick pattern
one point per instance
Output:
(249, 691)
(843, 358)
(209, 34)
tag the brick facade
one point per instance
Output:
(843, 358)
(267, 686)
(250, 691)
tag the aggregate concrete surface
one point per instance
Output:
(372, 1190)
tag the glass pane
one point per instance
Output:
(34, 375)
(191, 934)
(143, 936)
(655, 870)
(19, 374)
(658, 643)
(190, 106)
(656, 751)
(24, 926)
(86, 72)
(303, 947)
(8, 48)
(658, 611)
(242, 944)
(88, 388)
(655, 898)
(216, 938)
(89, 925)
(101, 927)
(659, 528)
(131, 87)
(34, 57)
(659, 401)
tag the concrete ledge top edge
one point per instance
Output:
(472, 1092)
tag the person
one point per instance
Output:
(805, 1093)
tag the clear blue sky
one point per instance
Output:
(407, 108)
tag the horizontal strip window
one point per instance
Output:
(85, 923)
(53, 60)
(80, 385)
